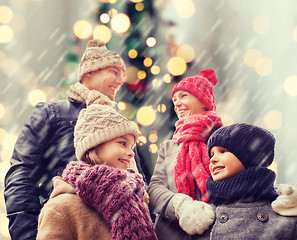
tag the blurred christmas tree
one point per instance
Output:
(132, 28)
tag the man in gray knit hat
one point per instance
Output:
(45, 144)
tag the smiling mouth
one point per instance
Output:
(180, 112)
(217, 170)
(125, 161)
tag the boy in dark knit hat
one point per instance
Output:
(241, 187)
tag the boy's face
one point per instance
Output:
(224, 164)
(107, 81)
(118, 152)
(186, 104)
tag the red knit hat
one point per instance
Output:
(201, 86)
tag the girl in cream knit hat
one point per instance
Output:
(99, 196)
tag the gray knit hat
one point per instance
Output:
(97, 124)
(97, 57)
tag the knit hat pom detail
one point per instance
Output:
(95, 43)
(210, 75)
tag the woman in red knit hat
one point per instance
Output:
(182, 169)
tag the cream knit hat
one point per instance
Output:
(97, 124)
(97, 57)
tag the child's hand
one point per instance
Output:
(286, 202)
(194, 216)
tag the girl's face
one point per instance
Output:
(224, 164)
(186, 104)
(117, 152)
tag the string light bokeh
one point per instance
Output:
(251, 45)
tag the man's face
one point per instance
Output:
(107, 81)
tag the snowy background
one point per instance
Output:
(252, 46)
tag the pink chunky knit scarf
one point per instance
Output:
(192, 162)
(117, 195)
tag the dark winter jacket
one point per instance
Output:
(43, 148)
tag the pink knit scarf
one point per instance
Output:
(117, 195)
(192, 162)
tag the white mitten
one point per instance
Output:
(286, 203)
(194, 216)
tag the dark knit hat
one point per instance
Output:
(201, 86)
(252, 145)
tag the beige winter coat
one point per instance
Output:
(65, 216)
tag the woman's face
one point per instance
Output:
(118, 152)
(186, 104)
